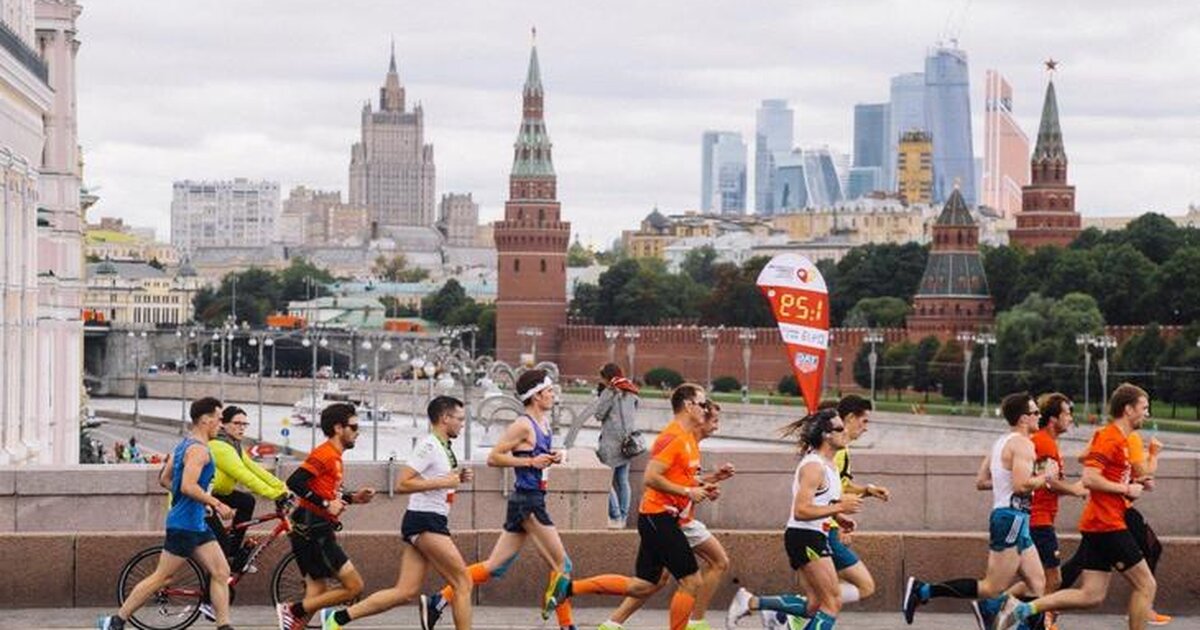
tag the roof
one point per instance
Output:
(129, 270)
(1049, 139)
(955, 212)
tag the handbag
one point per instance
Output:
(634, 443)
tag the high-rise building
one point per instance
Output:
(723, 173)
(458, 219)
(237, 213)
(862, 181)
(1047, 214)
(806, 178)
(391, 166)
(1005, 148)
(948, 118)
(774, 123)
(871, 124)
(953, 294)
(914, 167)
(906, 112)
(531, 240)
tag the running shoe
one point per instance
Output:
(1158, 619)
(986, 610)
(111, 622)
(327, 620)
(556, 592)
(912, 599)
(738, 608)
(287, 621)
(207, 610)
(610, 625)
(1010, 615)
(1051, 621)
(701, 624)
(429, 608)
(773, 620)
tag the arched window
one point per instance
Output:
(516, 265)
(543, 265)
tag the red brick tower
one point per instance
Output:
(1047, 215)
(531, 241)
(953, 295)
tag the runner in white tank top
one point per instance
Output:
(829, 493)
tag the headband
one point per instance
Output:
(546, 382)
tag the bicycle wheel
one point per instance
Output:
(173, 607)
(287, 585)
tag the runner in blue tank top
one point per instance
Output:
(188, 472)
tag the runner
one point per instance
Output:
(190, 470)
(703, 544)
(1008, 471)
(317, 483)
(1106, 542)
(816, 497)
(432, 477)
(525, 447)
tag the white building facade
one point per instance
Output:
(238, 213)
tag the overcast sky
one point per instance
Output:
(273, 90)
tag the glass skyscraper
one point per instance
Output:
(806, 179)
(871, 126)
(907, 113)
(948, 116)
(723, 173)
(773, 133)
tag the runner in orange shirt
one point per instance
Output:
(1106, 543)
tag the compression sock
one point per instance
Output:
(821, 621)
(479, 574)
(565, 617)
(681, 609)
(601, 585)
(958, 589)
(790, 604)
(342, 617)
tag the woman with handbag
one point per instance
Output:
(620, 440)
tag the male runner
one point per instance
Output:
(235, 466)
(1106, 542)
(1008, 471)
(1143, 460)
(191, 470)
(431, 477)
(317, 483)
(703, 543)
(816, 497)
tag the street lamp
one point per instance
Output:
(710, 336)
(631, 337)
(312, 420)
(746, 336)
(183, 403)
(966, 339)
(1104, 343)
(385, 346)
(137, 375)
(837, 363)
(1085, 342)
(254, 342)
(611, 334)
(533, 332)
(872, 337)
(986, 340)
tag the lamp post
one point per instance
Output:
(746, 336)
(1104, 343)
(872, 337)
(385, 346)
(837, 364)
(611, 334)
(266, 340)
(137, 375)
(709, 335)
(631, 337)
(313, 421)
(986, 340)
(183, 404)
(1085, 342)
(966, 339)
(533, 332)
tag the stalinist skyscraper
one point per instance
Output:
(391, 167)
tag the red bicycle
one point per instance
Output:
(178, 604)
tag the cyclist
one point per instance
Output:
(235, 466)
(190, 470)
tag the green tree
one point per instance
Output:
(924, 379)
(898, 366)
(1073, 270)
(735, 299)
(579, 256)
(258, 294)
(438, 305)
(882, 312)
(698, 265)
(947, 368)
(1123, 283)
(663, 377)
(1035, 270)
(1002, 266)
(1142, 352)
(302, 280)
(788, 385)
(1177, 288)
(1154, 235)
(396, 269)
(875, 270)
(726, 384)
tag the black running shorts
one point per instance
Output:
(663, 546)
(1108, 550)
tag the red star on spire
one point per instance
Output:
(1051, 65)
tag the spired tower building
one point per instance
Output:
(1047, 215)
(953, 294)
(391, 167)
(531, 241)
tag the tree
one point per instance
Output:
(1177, 289)
(788, 385)
(438, 305)
(663, 377)
(875, 270)
(923, 378)
(1154, 235)
(947, 368)
(396, 269)
(579, 256)
(258, 294)
(1141, 352)
(726, 384)
(1073, 270)
(898, 369)
(882, 312)
(302, 280)
(1124, 284)
(735, 299)
(1002, 266)
(698, 264)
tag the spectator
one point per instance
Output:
(617, 413)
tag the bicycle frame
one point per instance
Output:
(283, 527)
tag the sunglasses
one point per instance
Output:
(837, 429)
(352, 427)
(240, 424)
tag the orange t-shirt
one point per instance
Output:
(1108, 453)
(325, 463)
(1045, 501)
(678, 449)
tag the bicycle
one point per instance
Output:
(178, 605)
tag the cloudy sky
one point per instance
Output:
(273, 90)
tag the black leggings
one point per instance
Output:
(1146, 540)
(243, 510)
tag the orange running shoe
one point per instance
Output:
(1158, 619)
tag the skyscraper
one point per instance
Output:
(723, 173)
(1047, 214)
(906, 113)
(871, 127)
(1005, 149)
(914, 167)
(531, 241)
(391, 167)
(948, 118)
(806, 178)
(774, 123)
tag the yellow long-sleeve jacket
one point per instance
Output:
(235, 466)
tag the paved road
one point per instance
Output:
(262, 618)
